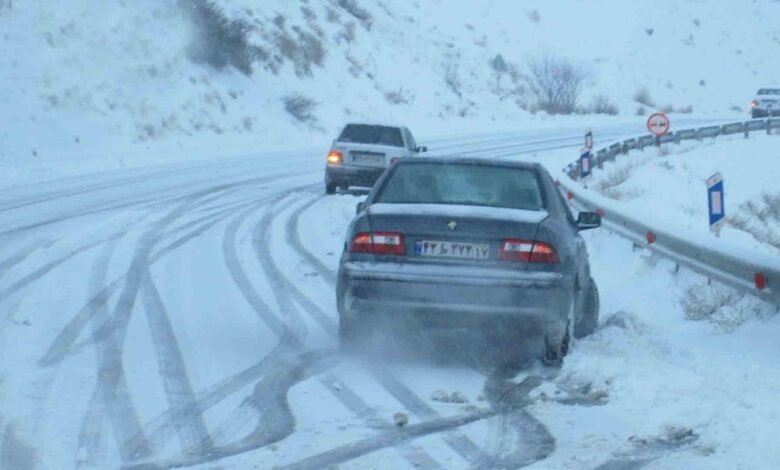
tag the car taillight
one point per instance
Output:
(335, 157)
(754, 104)
(530, 251)
(378, 243)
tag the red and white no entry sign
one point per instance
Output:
(658, 124)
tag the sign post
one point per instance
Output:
(589, 140)
(715, 203)
(585, 165)
(658, 124)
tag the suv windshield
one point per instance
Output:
(769, 91)
(368, 134)
(467, 184)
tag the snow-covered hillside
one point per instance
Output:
(100, 85)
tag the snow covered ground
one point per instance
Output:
(668, 185)
(200, 330)
(100, 86)
(167, 293)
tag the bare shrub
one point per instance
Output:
(452, 78)
(685, 110)
(602, 105)
(642, 96)
(609, 185)
(558, 83)
(351, 7)
(641, 111)
(399, 96)
(534, 16)
(355, 67)
(722, 306)
(331, 15)
(760, 218)
(304, 51)
(218, 41)
(667, 108)
(301, 108)
(615, 178)
(308, 14)
(736, 109)
(348, 33)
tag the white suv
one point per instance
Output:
(363, 151)
(767, 101)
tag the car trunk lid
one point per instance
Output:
(455, 234)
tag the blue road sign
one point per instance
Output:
(585, 162)
(715, 201)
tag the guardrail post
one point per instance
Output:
(747, 131)
(657, 141)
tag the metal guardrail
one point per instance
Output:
(756, 275)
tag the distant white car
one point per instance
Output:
(362, 152)
(766, 102)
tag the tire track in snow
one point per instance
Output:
(289, 342)
(90, 435)
(50, 266)
(276, 420)
(186, 414)
(7, 264)
(268, 400)
(396, 435)
(63, 344)
(352, 401)
(111, 389)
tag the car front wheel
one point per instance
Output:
(330, 188)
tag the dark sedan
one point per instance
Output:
(480, 245)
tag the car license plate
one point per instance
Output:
(371, 159)
(447, 249)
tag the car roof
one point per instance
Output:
(382, 124)
(470, 161)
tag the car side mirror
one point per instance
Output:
(588, 220)
(421, 148)
(361, 206)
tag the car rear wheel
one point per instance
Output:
(589, 319)
(330, 188)
(555, 349)
(348, 333)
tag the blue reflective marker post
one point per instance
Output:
(585, 168)
(715, 202)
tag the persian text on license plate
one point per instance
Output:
(368, 158)
(452, 249)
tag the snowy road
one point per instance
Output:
(185, 316)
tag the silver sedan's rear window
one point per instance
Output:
(370, 134)
(463, 184)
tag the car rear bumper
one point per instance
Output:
(346, 175)
(449, 297)
(762, 112)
